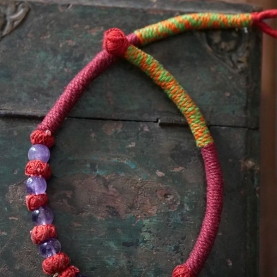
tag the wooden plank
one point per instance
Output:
(129, 197)
(171, 5)
(54, 43)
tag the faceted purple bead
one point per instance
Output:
(36, 185)
(39, 152)
(49, 248)
(42, 216)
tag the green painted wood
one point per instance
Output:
(129, 198)
(161, 5)
(41, 56)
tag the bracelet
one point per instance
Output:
(116, 45)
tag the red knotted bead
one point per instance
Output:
(34, 201)
(38, 168)
(55, 263)
(115, 42)
(41, 233)
(69, 272)
(42, 137)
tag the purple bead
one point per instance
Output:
(36, 185)
(42, 216)
(39, 152)
(50, 248)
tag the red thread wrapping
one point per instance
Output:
(38, 168)
(42, 137)
(182, 271)
(41, 233)
(210, 225)
(69, 272)
(55, 263)
(34, 201)
(76, 87)
(115, 42)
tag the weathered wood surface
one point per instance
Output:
(129, 198)
(42, 56)
(128, 193)
(162, 5)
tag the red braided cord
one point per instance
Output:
(76, 87)
(211, 221)
(182, 271)
(264, 27)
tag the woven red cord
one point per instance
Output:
(76, 87)
(211, 221)
(264, 27)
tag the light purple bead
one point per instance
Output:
(36, 185)
(50, 248)
(39, 152)
(42, 216)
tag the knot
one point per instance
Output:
(182, 271)
(34, 201)
(42, 137)
(38, 168)
(70, 271)
(41, 233)
(55, 263)
(115, 42)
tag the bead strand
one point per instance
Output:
(44, 233)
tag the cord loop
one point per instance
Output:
(258, 18)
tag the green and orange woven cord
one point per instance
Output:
(174, 91)
(195, 21)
